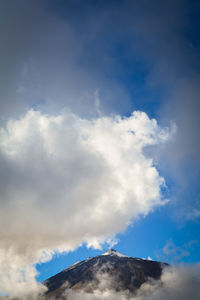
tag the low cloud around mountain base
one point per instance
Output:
(181, 282)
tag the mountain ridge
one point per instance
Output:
(123, 273)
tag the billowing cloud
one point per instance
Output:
(67, 180)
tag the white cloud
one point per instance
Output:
(66, 180)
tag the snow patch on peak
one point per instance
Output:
(113, 252)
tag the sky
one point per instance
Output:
(99, 134)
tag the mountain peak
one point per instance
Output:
(113, 252)
(128, 272)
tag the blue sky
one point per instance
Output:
(67, 66)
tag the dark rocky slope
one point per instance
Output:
(126, 273)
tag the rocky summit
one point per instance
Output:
(121, 273)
